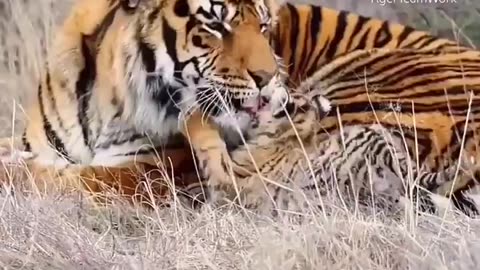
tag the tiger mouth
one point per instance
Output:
(260, 105)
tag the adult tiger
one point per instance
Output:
(423, 108)
(121, 71)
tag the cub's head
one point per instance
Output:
(212, 55)
(298, 116)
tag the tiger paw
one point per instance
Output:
(215, 165)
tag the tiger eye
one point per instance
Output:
(181, 8)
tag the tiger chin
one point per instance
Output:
(119, 74)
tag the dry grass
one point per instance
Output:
(64, 232)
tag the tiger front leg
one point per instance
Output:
(210, 150)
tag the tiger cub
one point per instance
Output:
(288, 164)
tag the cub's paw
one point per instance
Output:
(322, 105)
(276, 100)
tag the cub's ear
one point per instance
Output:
(129, 5)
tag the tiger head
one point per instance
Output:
(212, 55)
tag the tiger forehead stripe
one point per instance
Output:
(216, 10)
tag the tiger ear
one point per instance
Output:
(129, 5)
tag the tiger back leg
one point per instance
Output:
(426, 188)
(422, 192)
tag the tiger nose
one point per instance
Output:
(261, 77)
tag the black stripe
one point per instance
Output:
(358, 27)
(457, 131)
(51, 135)
(170, 38)
(394, 60)
(26, 144)
(303, 58)
(294, 29)
(192, 22)
(148, 55)
(361, 68)
(275, 39)
(363, 41)
(427, 42)
(348, 63)
(314, 66)
(87, 76)
(359, 77)
(315, 26)
(53, 101)
(360, 137)
(404, 35)
(101, 30)
(161, 93)
(120, 141)
(426, 82)
(416, 41)
(153, 16)
(83, 90)
(383, 36)
(364, 106)
(339, 33)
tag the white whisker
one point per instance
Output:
(198, 104)
(210, 106)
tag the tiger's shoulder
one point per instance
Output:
(309, 36)
(78, 34)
